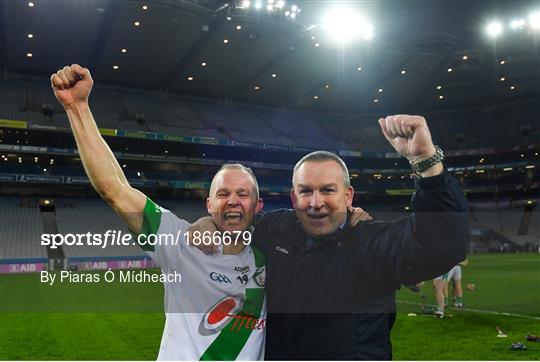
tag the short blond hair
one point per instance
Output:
(240, 167)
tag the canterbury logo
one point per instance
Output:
(282, 249)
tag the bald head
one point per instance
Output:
(238, 167)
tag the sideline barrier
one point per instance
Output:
(10, 266)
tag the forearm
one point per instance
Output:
(440, 209)
(432, 240)
(99, 162)
(439, 233)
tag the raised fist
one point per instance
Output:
(72, 85)
(409, 135)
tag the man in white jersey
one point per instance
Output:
(217, 311)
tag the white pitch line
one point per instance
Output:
(481, 311)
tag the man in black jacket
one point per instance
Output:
(331, 288)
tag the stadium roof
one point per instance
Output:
(269, 59)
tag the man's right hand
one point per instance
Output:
(359, 214)
(72, 85)
(204, 224)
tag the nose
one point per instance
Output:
(233, 200)
(316, 201)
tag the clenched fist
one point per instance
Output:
(72, 85)
(409, 135)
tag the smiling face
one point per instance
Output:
(233, 200)
(320, 197)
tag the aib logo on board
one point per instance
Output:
(228, 312)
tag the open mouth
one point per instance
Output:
(317, 216)
(233, 216)
(317, 219)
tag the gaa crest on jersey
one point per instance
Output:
(220, 314)
(259, 277)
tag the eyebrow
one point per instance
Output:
(322, 187)
(235, 190)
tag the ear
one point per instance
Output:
(293, 199)
(209, 205)
(259, 206)
(349, 195)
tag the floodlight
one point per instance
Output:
(494, 29)
(534, 20)
(280, 4)
(516, 24)
(258, 5)
(344, 24)
(245, 4)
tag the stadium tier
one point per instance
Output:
(20, 230)
(78, 216)
(31, 100)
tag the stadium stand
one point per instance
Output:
(80, 216)
(190, 210)
(156, 114)
(131, 110)
(238, 123)
(20, 230)
(506, 222)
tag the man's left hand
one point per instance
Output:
(409, 135)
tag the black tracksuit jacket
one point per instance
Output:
(336, 300)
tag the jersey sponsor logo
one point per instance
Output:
(242, 269)
(260, 276)
(217, 317)
(219, 278)
(282, 249)
(225, 310)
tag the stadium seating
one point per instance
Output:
(77, 216)
(190, 210)
(132, 110)
(80, 216)
(20, 230)
(506, 221)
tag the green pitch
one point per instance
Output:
(125, 321)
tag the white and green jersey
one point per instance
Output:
(218, 309)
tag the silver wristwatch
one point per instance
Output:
(419, 167)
